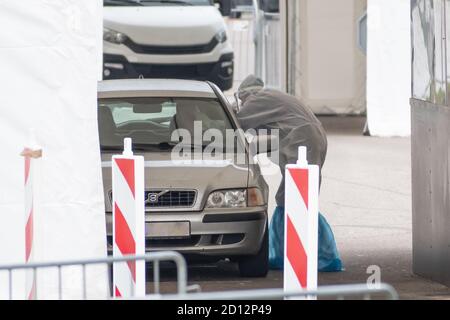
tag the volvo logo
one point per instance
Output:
(153, 197)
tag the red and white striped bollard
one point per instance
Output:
(30, 154)
(128, 222)
(301, 224)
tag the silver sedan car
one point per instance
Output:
(212, 205)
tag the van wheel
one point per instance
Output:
(225, 7)
(258, 265)
(235, 15)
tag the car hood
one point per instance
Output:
(202, 176)
(165, 25)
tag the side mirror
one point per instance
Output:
(262, 143)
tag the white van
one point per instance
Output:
(179, 39)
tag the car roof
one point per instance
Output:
(154, 88)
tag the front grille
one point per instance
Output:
(155, 49)
(169, 198)
(178, 71)
(164, 198)
(168, 243)
(192, 241)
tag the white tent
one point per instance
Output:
(49, 62)
(327, 68)
(389, 67)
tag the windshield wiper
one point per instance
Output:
(122, 2)
(165, 146)
(194, 146)
(111, 148)
(155, 146)
(152, 146)
(186, 3)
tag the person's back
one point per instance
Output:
(297, 125)
(276, 106)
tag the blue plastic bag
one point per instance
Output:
(276, 239)
(328, 255)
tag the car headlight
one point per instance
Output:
(114, 36)
(221, 36)
(227, 199)
(236, 198)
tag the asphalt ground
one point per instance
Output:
(366, 197)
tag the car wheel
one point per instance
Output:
(257, 265)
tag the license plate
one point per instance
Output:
(168, 229)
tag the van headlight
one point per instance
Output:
(235, 198)
(221, 36)
(114, 36)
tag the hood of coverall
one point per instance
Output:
(249, 86)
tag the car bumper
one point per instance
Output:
(212, 233)
(219, 72)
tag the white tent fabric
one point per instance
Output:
(326, 68)
(388, 67)
(49, 62)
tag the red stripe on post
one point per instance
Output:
(126, 166)
(117, 292)
(124, 239)
(29, 236)
(27, 168)
(300, 177)
(31, 296)
(296, 253)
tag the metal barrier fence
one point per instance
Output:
(155, 257)
(271, 48)
(267, 38)
(256, 41)
(241, 35)
(338, 292)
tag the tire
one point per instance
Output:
(225, 7)
(235, 15)
(224, 85)
(256, 266)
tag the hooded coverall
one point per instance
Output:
(297, 125)
(263, 108)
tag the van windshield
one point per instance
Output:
(129, 3)
(160, 123)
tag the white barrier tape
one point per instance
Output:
(128, 222)
(301, 225)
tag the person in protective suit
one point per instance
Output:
(263, 108)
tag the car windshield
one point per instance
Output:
(161, 123)
(128, 3)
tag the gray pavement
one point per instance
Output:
(366, 197)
